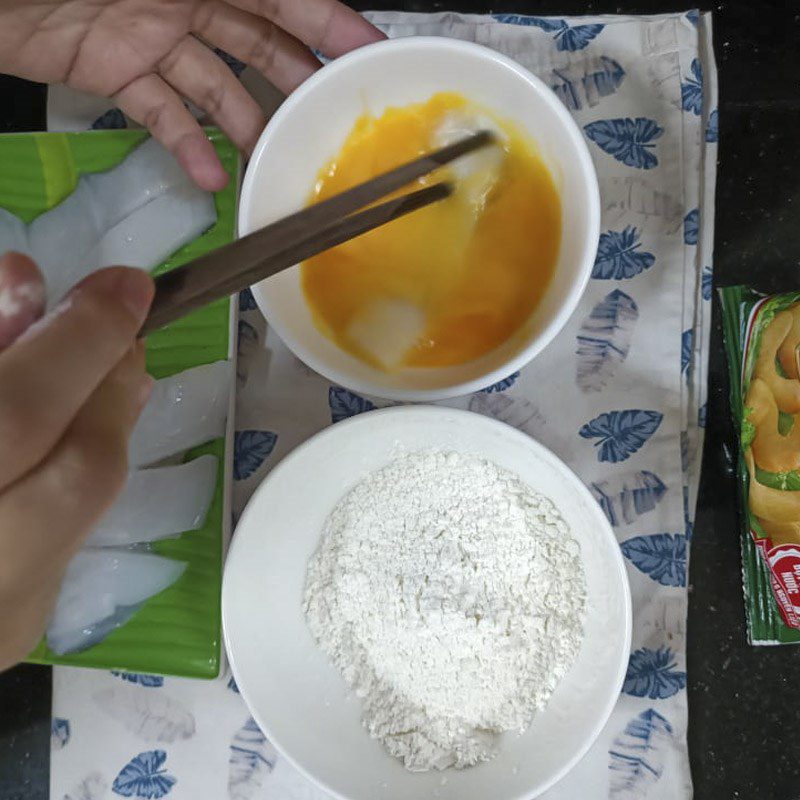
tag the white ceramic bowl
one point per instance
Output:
(301, 701)
(309, 129)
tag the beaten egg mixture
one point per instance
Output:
(452, 281)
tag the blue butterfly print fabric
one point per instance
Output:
(250, 449)
(631, 141)
(344, 403)
(567, 37)
(145, 777)
(692, 90)
(653, 674)
(620, 255)
(661, 556)
(620, 434)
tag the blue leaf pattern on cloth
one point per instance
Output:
(113, 119)
(712, 129)
(620, 434)
(684, 451)
(687, 521)
(625, 497)
(604, 340)
(251, 758)
(630, 141)
(344, 404)
(691, 226)
(59, 733)
(577, 37)
(248, 335)
(687, 342)
(151, 681)
(142, 777)
(250, 449)
(501, 386)
(568, 37)
(662, 556)
(548, 25)
(232, 685)
(693, 16)
(701, 416)
(692, 90)
(586, 83)
(636, 756)
(619, 256)
(246, 300)
(652, 673)
(708, 282)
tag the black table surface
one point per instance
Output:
(742, 700)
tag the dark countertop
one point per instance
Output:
(742, 700)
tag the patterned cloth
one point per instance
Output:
(626, 411)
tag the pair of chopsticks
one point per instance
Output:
(300, 236)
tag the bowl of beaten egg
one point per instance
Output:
(458, 295)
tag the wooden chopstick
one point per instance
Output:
(300, 236)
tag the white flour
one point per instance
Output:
(451, 597)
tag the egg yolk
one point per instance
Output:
(452, 281)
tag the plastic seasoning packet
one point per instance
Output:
(762, 342)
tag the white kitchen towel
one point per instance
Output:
(620, 395)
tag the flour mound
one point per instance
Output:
(451, 597)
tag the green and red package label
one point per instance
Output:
(762, 340)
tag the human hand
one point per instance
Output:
(71, 389)
(148, 54)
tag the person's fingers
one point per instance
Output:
(49, 373)
(204, 78)
(22, 296)
(282, 59)
(151, 102)
(80, 480)
(324, 25)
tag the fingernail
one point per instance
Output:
(135, 289)
(129, 286)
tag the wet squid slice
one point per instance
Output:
(184, 410)
(772, 451)
(160, 502)
(137, 214)
(101, 590)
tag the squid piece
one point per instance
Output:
(772, 451)
(477, 173)
(147, 172)
(184, 410)
(101, 590)
(60, 240)
(785, 390)
(386, 330)
(781, 532)
(137, 214)
(13, 233)
(151, 233)
(158, 503)
(773, 505)
(788, 351)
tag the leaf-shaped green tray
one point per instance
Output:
(177, 632)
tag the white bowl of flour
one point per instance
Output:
(422, 602)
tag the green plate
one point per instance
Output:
(177, 632)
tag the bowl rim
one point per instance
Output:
(578, 485)
(572, 298)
